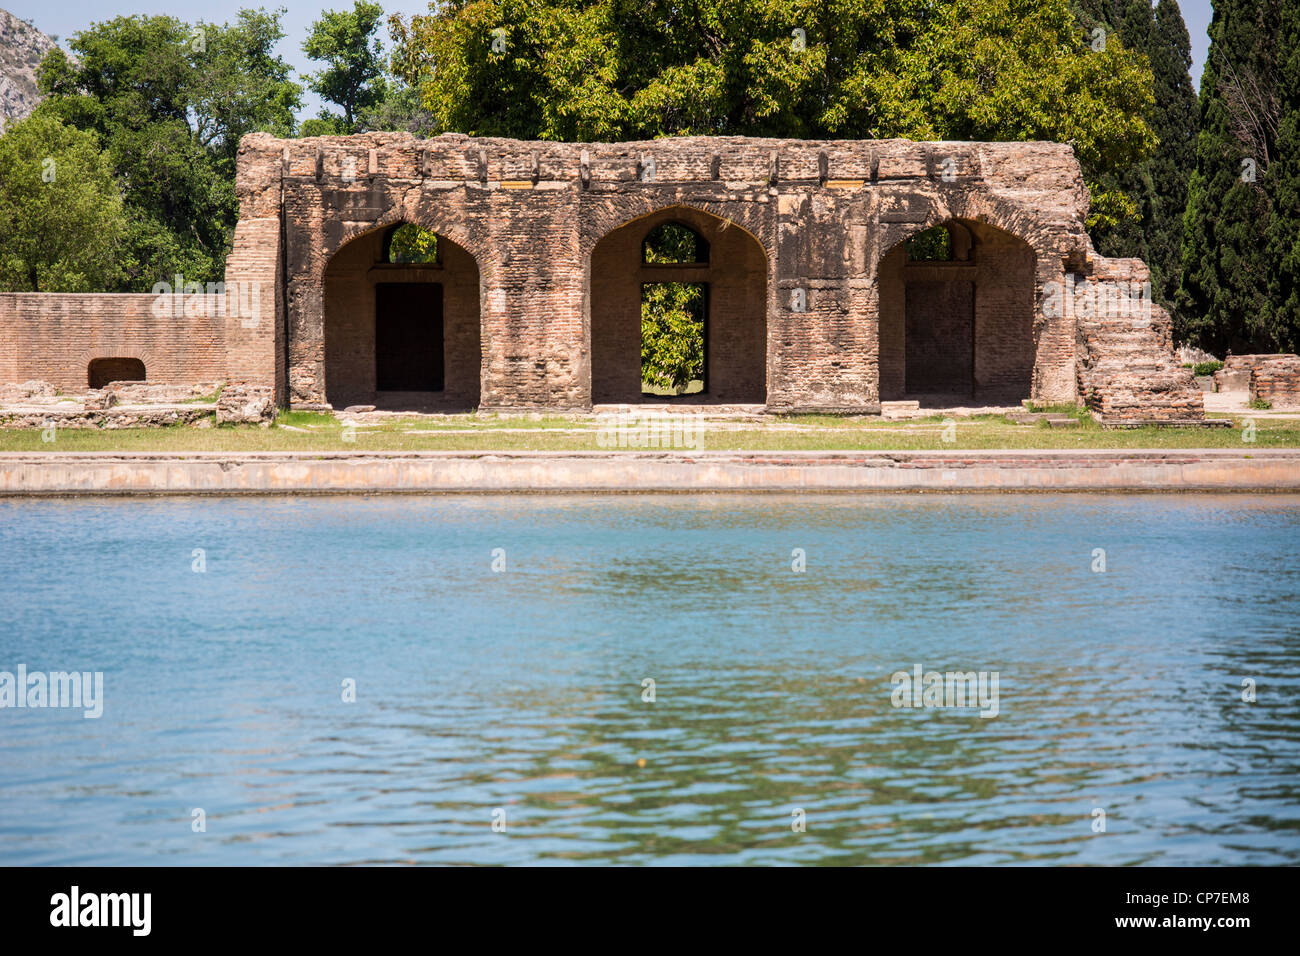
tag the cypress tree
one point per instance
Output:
(1157, 187)
(1224, 300)
(1284, 181)
(1174, 160)
(1133, 22)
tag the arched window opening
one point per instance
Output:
(672, 243)
(409, 244)
(101, 371)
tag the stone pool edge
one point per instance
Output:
(25, 474)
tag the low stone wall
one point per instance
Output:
(1235, 374)
(128, 416)
(243, 404)
(1277, 382)
(1261, 470)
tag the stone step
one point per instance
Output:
(899, 410)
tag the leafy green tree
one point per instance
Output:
(926, 69)
(1225, 297)
(411, 243)
(401, 110)
(61, 219)
(353, 77)
(672, 335)
(672, 313)
(168, 101)
(1131, 23)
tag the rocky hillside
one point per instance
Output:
(21, 49)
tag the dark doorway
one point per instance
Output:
(939, 338)
(101, 371)
(408, 337)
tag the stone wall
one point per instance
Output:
(1127, 370)
(1237, 369)
(1277, 381)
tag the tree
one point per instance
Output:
(353, 77)
(1175, 158)
(672, 313)
(1147, 222)
(1225, 296)
(672, 335)
(1125, 231)
(61, 219)
(1284, 172)
(168, 101)
(401, 110)
(926, 69)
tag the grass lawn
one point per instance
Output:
(307, 431)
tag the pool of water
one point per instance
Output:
(228, 632)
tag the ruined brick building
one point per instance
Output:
(815, 300)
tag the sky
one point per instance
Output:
(63, 18)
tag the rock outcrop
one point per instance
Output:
(22, 47)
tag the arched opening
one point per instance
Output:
(679, 312)
(956, 316)
(402, 322)
(101, 371)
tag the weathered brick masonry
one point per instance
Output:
(813, 302)
(1277, 382)
(55, 338)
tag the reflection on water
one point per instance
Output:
(522, 689)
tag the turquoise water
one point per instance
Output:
(519, 692)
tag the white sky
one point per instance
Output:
(65, 17)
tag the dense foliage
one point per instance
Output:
(1241, 226)
(672, 335)
(167, 102)
(1148, 223)
(629, 69)
(61, 219)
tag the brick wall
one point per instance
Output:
(1277, 381)
(255, 333)
(535, 217)
(1236, 371)
(54, 337)
(540, 223)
